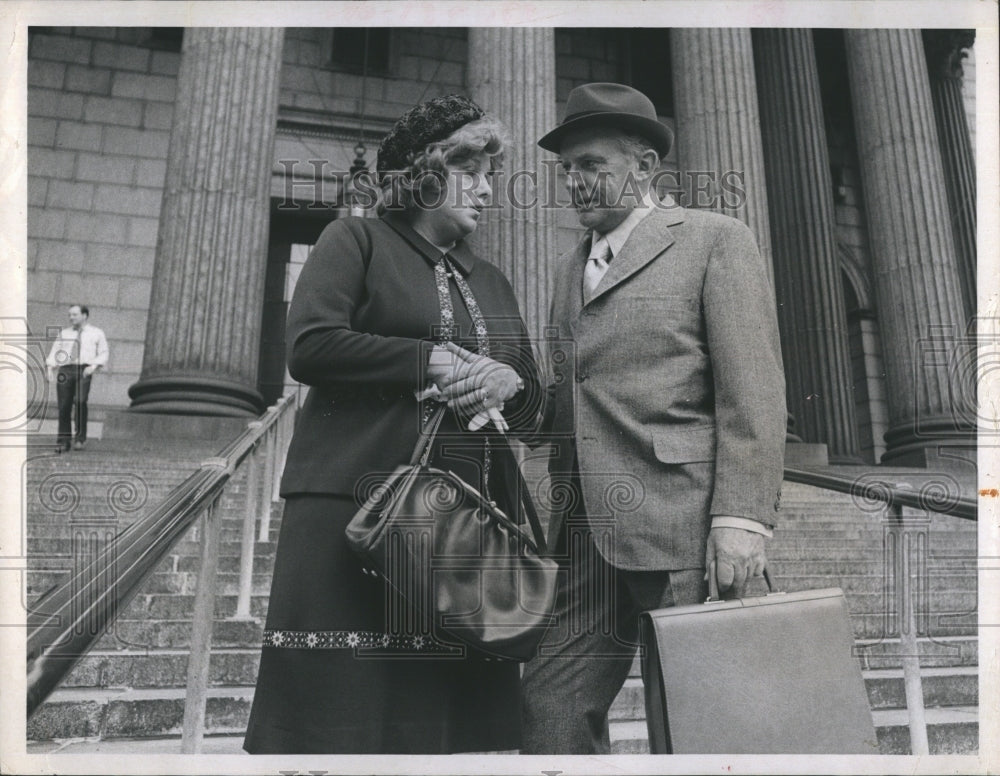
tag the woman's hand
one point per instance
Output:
(449, 363)
(476, 383)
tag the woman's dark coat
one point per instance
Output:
(363, 320)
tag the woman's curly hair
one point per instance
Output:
(420, 180)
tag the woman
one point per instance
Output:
(390, 316)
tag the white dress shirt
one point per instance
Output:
(600, 257)
(86, 345)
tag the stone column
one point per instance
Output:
(808, 286)
(718, 122)
(203, 333)
(717, 129)
(916, 274)
(511, 74)
(945, 52)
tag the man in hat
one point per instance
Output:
(668, 413)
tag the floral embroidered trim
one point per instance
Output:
(353, 640)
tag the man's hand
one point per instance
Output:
(50, 373)
(738, 555)
(89, 370)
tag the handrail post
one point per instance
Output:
(201, 635)
(250, 507)
(909, 647)
(264, 529)
(284, 437)
(270, 450)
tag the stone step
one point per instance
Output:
(128, 713)
(953, 730)
(138, 634)
(939, 582)
(884, 654)
(104, 464)
(229, 559)
(187, 548)
(953, 686)
(232, 525)
(957, 686)
(876, 625)
(821, 542)
(169, 582)
(936, 652)
(938, 602)
(217, 744)
(950, 730)
(229, 667)
(782, 569)
(175, 607)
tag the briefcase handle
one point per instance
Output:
(713, 584)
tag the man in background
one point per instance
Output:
(78, 352)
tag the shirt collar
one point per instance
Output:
(461, 255)
(616, 237)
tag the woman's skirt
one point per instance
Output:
(343, 668)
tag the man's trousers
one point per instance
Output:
(585, 658)
(72, 392)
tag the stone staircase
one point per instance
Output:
(131, 684)
(127, 694)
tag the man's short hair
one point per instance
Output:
(83, 309)
(635, 145)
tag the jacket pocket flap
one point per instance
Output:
(684, 445)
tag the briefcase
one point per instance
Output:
(767, 675)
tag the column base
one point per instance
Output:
(950, 457)
(933, 443)
(806, 454)
(130, 426)
(195, 396)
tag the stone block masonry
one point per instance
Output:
(100, 106)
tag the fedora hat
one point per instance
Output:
(610, 105)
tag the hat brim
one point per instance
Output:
(658, 134)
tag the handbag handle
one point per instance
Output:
(713, 583)
(421, 454)
(523, 495)
(422, 449)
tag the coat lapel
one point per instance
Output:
(648, 240)
(567, 292)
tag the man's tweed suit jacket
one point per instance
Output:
(668, 387)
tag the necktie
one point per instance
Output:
(597, 265)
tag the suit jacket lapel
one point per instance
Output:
(567, 301)
(648, 240)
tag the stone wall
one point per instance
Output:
(100, 105)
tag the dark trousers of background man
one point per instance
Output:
(72, 391)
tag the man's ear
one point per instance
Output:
(649, 163)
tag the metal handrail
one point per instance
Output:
(930, 499)
(66, 623)
(888, 493)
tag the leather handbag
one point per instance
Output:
(773, 674)
(470, 568)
